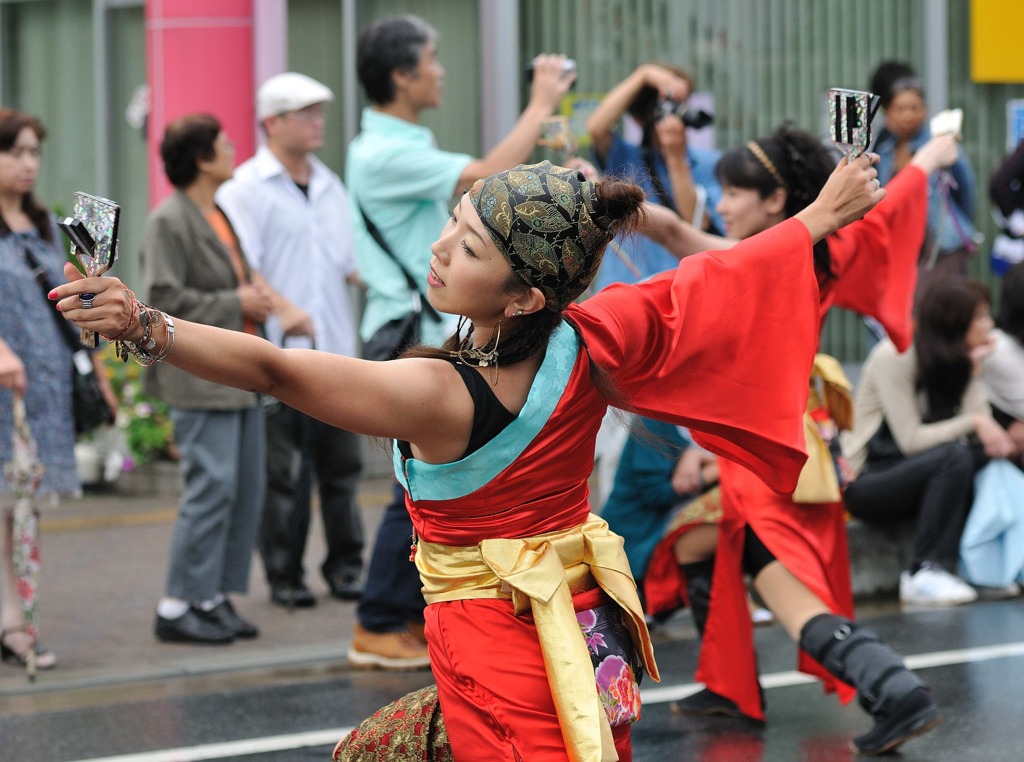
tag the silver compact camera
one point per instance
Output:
(567, 68)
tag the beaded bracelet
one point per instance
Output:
(142, 350)
(132, 311)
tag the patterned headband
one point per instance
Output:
(546, 222)
(762, 157)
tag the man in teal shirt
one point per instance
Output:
(402, 182)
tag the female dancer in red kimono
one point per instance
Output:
(495, 431)
(796, 552)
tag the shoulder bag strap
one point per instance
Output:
(422, 303)
(659, 187)
(39, 275)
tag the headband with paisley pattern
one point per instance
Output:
(544, 220)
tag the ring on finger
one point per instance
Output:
(86, 300)
(876, 182)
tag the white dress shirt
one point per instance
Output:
(302, 245)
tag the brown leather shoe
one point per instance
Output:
(395, 651)
(416, 630)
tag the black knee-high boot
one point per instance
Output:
(698, 590)
(897, 699)
(704, 703)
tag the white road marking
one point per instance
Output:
(236, 748)
(657, 695)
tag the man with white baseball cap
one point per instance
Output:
(293, 217)
(290, 91)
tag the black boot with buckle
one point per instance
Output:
(897, 699)
(705, 702)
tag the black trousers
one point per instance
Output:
(300, 448)
(936, 485)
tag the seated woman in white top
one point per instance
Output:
(922, 430)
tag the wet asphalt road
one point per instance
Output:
(972, 656)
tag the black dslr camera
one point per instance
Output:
(693, 118)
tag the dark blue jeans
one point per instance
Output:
(392, 596)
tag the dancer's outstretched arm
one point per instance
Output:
(405, 399)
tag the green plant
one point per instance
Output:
(145, 421)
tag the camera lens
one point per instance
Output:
(696, 118)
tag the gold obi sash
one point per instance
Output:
(540, 574)
(832, 390)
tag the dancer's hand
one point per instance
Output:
(113, 313)
(850, 192)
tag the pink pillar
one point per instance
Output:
(199, 57)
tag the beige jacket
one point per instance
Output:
(188, 273)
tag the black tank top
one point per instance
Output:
(490, 417)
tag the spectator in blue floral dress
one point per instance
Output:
(35, 361)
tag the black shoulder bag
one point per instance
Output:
(87, 401)
(394, 337)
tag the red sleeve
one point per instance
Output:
(723, 344)
(875, 259)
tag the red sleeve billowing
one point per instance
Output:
(723, 344)
(875, 259)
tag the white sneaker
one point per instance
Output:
(933, 586)
(986, 593)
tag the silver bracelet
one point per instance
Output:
(141, 351)
(169, 322)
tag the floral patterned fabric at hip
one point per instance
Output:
(617, 665)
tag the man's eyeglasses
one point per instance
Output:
(309, 114)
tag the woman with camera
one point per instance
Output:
(672, 173)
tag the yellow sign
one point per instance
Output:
(995, 41)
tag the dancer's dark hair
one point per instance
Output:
(799, 159)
